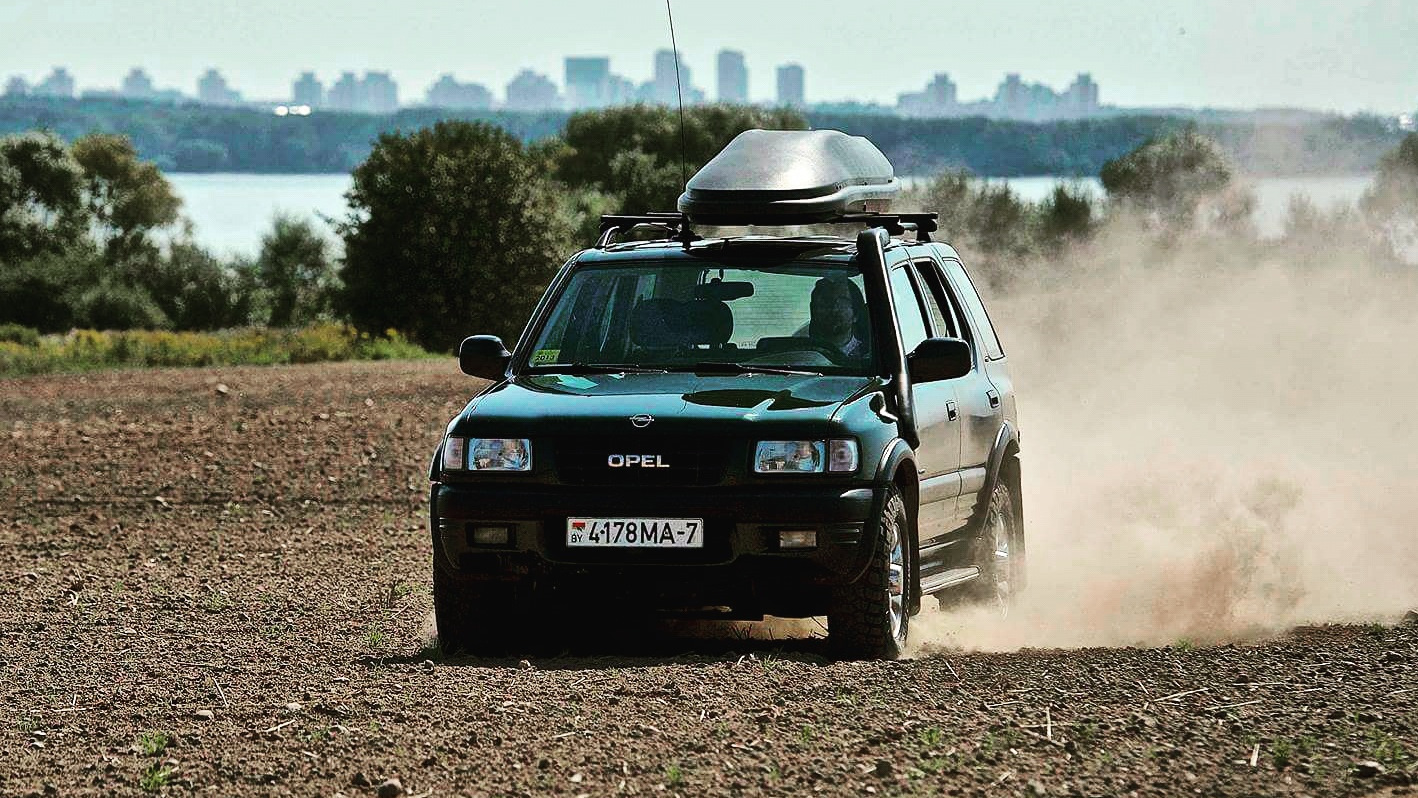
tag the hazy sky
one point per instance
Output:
(1345, 55)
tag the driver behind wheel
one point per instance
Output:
(837, 308)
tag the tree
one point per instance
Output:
(634, 152)
(295, 269)
(1067, 213)
(452, 229)
(1391, 201)
(194, 289)
(40, 291)
(126, 197)
(41, 201)
(1168, 179)
(987, 218)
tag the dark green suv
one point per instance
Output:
(736, 426)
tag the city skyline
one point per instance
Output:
(1198, 53)
(589, 83)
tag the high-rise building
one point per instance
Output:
(449, 93)
(664, 87)
(379, 92)
(344, 94)
(940, 98)
(588, 81)
(375, 93)
(1082, 95)
(1010, 96)
(16, 86)
(307, 90)
(621, 90)
(732, 77)
(58, 83)
(790, 86)
(530, 91)
(137, 85)
(212, 89)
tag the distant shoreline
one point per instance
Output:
(196, 139)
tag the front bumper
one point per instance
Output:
(740, 564)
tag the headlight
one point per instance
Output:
(805, 457)
(487, 454)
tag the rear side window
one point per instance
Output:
(941, 319)
(908, 310)
(981, 319)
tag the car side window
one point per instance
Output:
(965, 289)
(908, 309)
(942, 322)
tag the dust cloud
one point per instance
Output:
(1219, 443)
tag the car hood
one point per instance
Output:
(678, 403)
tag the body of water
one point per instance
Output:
(230, 212)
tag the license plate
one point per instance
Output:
(649, 533)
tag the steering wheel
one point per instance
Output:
(833, 355)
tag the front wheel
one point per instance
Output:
(869, 619)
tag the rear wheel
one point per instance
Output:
(869, 619)
(999, 553)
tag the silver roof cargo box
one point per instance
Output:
(782, 177)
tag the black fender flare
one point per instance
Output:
(1006, 436)
(899, 456)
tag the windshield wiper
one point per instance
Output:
(715, 367)
(593, 368)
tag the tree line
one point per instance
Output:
(194, 138)
(457, 227)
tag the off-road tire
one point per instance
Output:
(859, 623)
(1001, 579)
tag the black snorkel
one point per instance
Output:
(871, 256)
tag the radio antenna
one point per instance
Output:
(679, 94)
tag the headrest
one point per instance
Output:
(662, 323)
(657, 323)
(710, 321)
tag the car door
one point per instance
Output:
(938, 457)
(982, 400)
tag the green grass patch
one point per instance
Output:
(152, 743)
(154, 778)
(89, 350)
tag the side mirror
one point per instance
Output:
(939, 359)
(484, 356)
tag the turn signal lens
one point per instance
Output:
(842, 456)
(455, 454)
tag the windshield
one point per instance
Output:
(800, 316)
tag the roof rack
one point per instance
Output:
(922, 224)
(677, 226)
(672, 222)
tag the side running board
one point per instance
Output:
(935, 583)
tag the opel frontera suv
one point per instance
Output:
(739, 425)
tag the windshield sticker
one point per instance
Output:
(573, 381)
(543, 357)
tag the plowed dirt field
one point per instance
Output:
(217, 582)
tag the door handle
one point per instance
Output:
(994, 398)
(951, 412)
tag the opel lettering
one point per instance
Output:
(632, 460)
